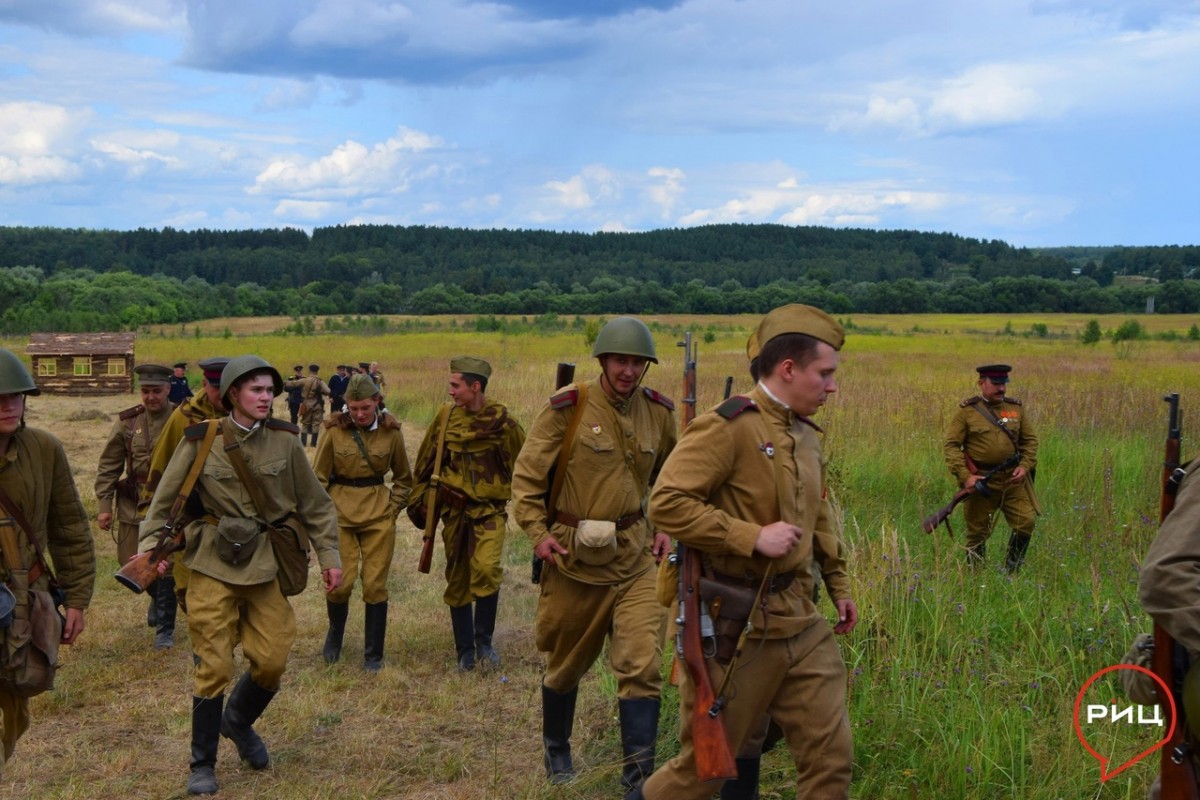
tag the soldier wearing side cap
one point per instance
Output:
(124, 469)
(598, 547)
(746, 488)
(178, 383)
(479, 441)
(362, 463)
(986, 431)
(41, 512)
(206, 405)
(313, 392)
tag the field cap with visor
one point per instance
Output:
(152, 374)
(212, 368)
(996, 373)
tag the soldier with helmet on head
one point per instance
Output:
(479, 441)
(40, 511)
(233, 592)
(990, 431)
(122, 473)
(592, 453)
(362, 463)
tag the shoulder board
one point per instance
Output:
(564, 399)
(194, 433)
(736, 405)
(130, 413)
(282, 425)
(661, 399)
(1014, 401)
(970, 401)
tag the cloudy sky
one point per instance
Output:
(1040, 122)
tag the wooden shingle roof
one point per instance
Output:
(70, 344)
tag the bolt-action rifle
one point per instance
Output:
(930, 523)
(1169, 661)
(689, 378)
(564, 373)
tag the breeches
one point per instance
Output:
(574, 619)
(219, 614)
(801, 683)
(473, 551)
(1012, 501)
(368, 548)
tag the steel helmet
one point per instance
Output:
(243, 365)
(14, 378)
(626, 335)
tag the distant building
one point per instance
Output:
(82, 363)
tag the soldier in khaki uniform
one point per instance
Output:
(206, 405)
(480, 441)
(35, 475)
(123, 470)
(987, 429)
(1169, 591)
(746, 488)
(599, 549)
(239, 599)
(361, 446)
(313, 392)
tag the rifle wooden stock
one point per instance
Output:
(142, 570)
(1178, 773)
(689, 378)
(425, 562)
(930, 523)
(564, 373)
(710, 743)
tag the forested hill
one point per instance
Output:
(85, 279)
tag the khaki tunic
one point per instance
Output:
(727, 479)
(1167, 584)
(35, 474)
(312, 390)
(366, 514)
(618, 450)
(244, 601)
(972, 433)
(480, 453)
(124, 469)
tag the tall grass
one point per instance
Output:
(962, 682)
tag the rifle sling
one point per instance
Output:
(362, 448)
(435, 477)
(564, 454)
(11, 560)
(238, 461)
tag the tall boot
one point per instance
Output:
(303, 439)
(485, 626)
(337, 613)
(558, 719)
(977, 554)
(464, 636)
(246, 704)
(165, 602)
(206, 722)
(313, 438)
(1017, 545)
(374, 631)
(745, 785)
(152, 608)
(639, 735)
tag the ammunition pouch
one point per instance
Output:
(595, 542)
(451, 497)
(237, 539)
(730, 608)
(290, 544)
(29, 644)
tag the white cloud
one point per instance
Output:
(592, 185)
(665, 193)
(307, 210)
(28, 170)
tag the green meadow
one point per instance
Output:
(962, 682)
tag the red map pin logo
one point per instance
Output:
(1096, 715)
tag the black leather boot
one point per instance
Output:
(164, 601)
(745, 785)
(639, 735)
(152, 608)
(337, 613)
(485, 626)
(206, 723)
(1017, 545)
(374, 631)
(314, 438)
(303, 439)
(558, 719)
(464, 637)
(246, 704)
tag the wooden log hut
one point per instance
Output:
(82, 363)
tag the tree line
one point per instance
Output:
(81, 280)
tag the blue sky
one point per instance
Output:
(1039, 122)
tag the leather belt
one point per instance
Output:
(357, 482)
(776, 584)
(627, 521)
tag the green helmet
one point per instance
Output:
(14, 378)
(626, 335)
(242, 365)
